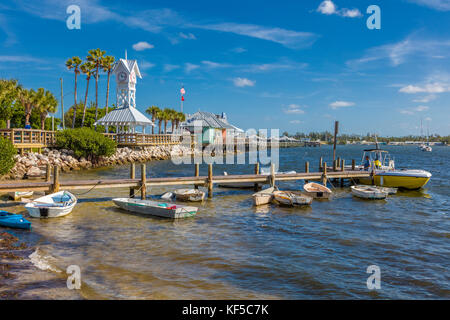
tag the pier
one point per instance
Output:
(52, 182)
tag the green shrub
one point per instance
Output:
(85, 143)
(7, 153)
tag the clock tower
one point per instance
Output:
(126, 71)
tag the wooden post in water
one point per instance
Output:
(336, 128)
(320, 163)
(210, 180)
(338, 163)
(353, 164)
(197, 173)
(324, 174)
(143, 181)
(342, 169)
(306, 169)
(132, 176)
(48, 173)
(55, 185)
(256, 172)
(334, 164)
(272, 175)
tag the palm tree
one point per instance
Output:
(180, 118)
(45, 103)
(172, 118)
(107, 65)
(96, 57)
(27, 99)
(165, 116)
(74, 63)
(8, 94)
(159, 116)
(153, 111)
(87, 68)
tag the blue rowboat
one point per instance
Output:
(12, 220)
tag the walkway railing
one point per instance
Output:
(29, 138)
(140, 139)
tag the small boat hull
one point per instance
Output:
(291, 198)
(398, 180)
(263, 197)
(369, 193)
(54, 205)
(317, 191)
(18, 195)
(192, 195)
(154, 208)
(16, 221)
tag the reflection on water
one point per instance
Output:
(234, 250)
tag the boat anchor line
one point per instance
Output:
(83, 193)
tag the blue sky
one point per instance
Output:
(292, 65)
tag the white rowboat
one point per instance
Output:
(154, 208)
(317, 191)
(189, 195)
(18, 195)
(53, 205)
(291, 198)
(263, 196)
(368, 192)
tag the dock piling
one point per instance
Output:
(55, 185)
(272, 175)
(320, 164)
(143, 181)
(132, 176)
(197, 173)
(324, 174)
(48, 172)
(256, 172)
(353, 164)
(210, 181)
(306, 170)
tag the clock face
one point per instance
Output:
(122, 76)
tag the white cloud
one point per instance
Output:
(19, 59)
(144, 65)
(215, 65)
(170, 67)
(428, 88)
(425, 99)
(239, 50)
(187, 36)
(142, 45)
(399, 52)
(293, 109)
(188, 67)
(414, 110)
(428, 119)
(243, 82)
(328, 7)
(295, 121)
(351, 13)
(441, 5)
(341, 104)
(288, 38)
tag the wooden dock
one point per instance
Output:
(52, 182)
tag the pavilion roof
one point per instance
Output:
(125, 116)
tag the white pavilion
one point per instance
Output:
(126, 117)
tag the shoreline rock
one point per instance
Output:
(32, 165)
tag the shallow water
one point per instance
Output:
(232, 250)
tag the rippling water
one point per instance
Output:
(232, 250)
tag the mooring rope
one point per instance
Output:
(83, 193)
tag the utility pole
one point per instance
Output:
(336, 128)
(62, 105)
